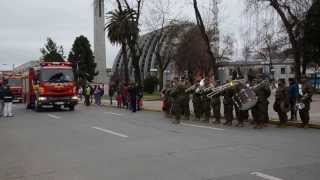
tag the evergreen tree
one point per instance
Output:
(51, 52)
(312, 35)
(82, 59)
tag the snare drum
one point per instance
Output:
(245, 99)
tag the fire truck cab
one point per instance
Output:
(50, 85)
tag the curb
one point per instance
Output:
(273, 121)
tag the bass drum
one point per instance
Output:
(245, 99)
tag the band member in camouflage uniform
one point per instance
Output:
(305, 97)
(241, 115)
(228, 105)
(196, 100)
(281, 104)
(260, 110)
(178, 94)
(216, 106)
(206, 102)
(186, 100)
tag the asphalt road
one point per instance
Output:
(109, 144)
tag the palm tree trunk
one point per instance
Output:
(125, 62)
(161, 71)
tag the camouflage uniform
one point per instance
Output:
(206, 105)
(260, 110)
(197, 106)
(178, 98)
(228, 105)
(306, 99)
(281, 104)
(216, 106)
(185, 103)
(241, 115)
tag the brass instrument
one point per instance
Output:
(195, 86)
(217, 90)
(262, 83)
(191, 88)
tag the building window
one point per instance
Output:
(283, 70)
(292, 70)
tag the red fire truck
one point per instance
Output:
(15, 83)
(50, 85)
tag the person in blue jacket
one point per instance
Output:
(293, 96)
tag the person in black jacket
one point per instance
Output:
(7, 98)
(133, 97)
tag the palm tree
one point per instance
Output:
(121, 28)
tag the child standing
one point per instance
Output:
(119, 99)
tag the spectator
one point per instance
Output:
(1, 100)
(8, 98)
(97, 95)
(80, 93)
(125, 95)
(119, 99)
(133, 97)
(139, 97)
(111, 93)
(92, 92)
(293, 96)
(87, 95)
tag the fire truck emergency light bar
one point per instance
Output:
(55, 63)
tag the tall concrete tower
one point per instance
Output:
(99, 41)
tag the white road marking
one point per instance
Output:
(113, 113)
(110, 132)
(265, 176)
(53, 116)
(206, 127)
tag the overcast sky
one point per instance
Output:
(25, 25)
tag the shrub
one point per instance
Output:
(150, 84)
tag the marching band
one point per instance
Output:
(239, 96)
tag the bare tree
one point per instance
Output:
(270, 42)
(191, 54)
(167, 28)
(292, 15)
(205, 38)
(226, 50)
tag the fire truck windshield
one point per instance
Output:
(56, 75)
(14, 82)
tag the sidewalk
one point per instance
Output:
(314, 112)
